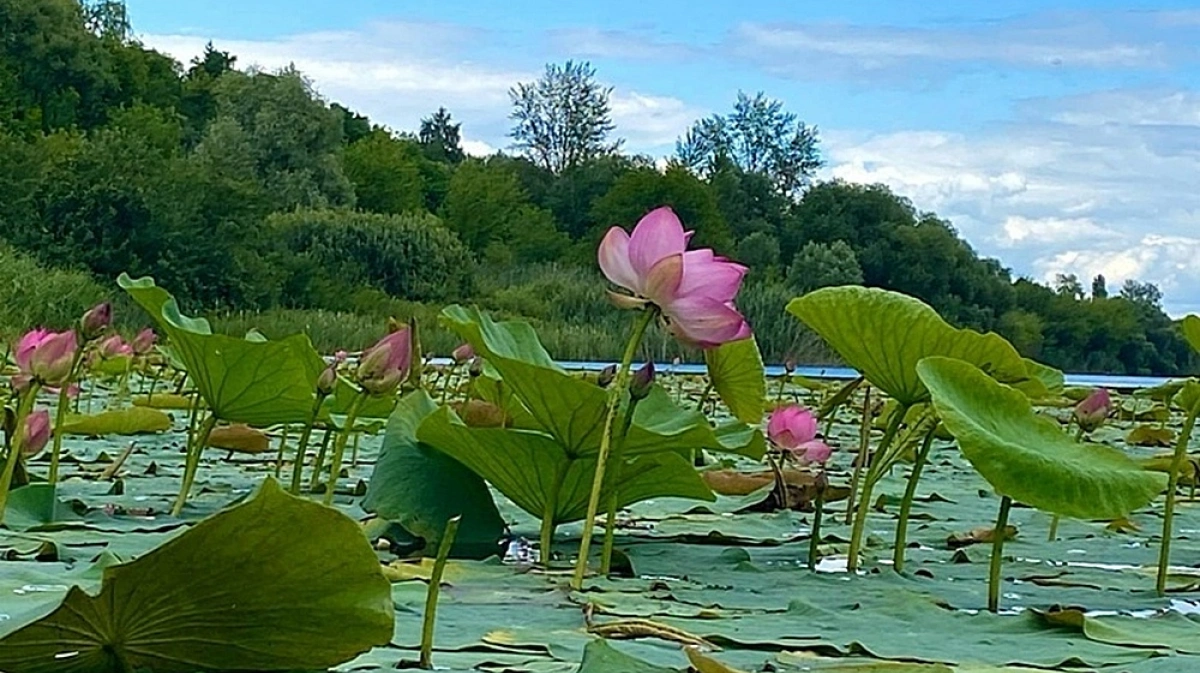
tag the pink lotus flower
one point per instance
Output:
(464, 353)
(37, 433)
(384, 365)
(793, 429)
(1093, 409)
(144, 342)
(693, 289)
(115, 347)
(46, 357)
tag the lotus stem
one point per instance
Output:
(874, 471)
(1053, 533)
(435, 587)
(814, 540)
(864, 436)
(548, 514)
(339, 446)
(998, 535)
(319, 461)
(615, 466)
(192, 465)
(279, 454)
(302, 445)
(704, 397)
(1164, 551)
(910, 492)
(60, 416)
(24, 406)
(615, 392)
(354, 449)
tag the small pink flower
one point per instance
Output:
(45, 357)
(383, 366)
(144, 342)
(37, 433)
(464, 353)
(96, 320)
(327, 381)
(1091, 412)
(115, 347)
(693, 289)
(793, 428)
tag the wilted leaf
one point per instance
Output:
(239, 437)
(1149, 435)
(131, 421)
(977, 535)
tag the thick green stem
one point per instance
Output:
(549, 523)
(704, 397)
(1164, 551)
(319, 461)
(998, 535)
(24, 406)
(874, 472)
(279, 454)
(192, 465)
(302, 446)
(431, 595)
(60, 416)
(615, 393)
(910, 492)
(864, 437)
(354, 449)
(814, 539)
(614, 476)
(339, 446)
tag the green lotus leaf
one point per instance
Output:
(275, 583)
(131, 421)
(1028, 457)
(736, 371)
(1047, 381)
(422, 488)
(525, 465)
(1190, 325)
(884, 334)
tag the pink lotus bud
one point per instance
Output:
(643, 381)
(384, 365)
(606, 376)
(37, 433)
(463, 353)
(694, 289)
(793, 429)
(1091, 412)
(96, 320)
(45, 357)
(327, 381)
(113, 347)
(144, 342)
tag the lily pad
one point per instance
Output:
(241, 590)
(1028, 457)
(884, 334)
(163, 401)
(239, 437)
(131, 421)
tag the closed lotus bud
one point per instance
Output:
(46, 357)
(96, 320)
(1093, 409)
(144, 342)
(327, 380)
(643, 381)
(463, 353)
(606, 376)
(476, 368)
(114, 347)
(37, 433)
(383, 366)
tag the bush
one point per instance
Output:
(334, 252)
(35, 296)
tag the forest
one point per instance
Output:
(261, 204)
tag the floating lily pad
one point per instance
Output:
(131, 421)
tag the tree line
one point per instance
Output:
(245, 189)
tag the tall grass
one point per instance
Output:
(34, 296)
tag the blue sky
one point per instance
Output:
(1059, 136)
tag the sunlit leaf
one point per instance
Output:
(736, 371)
(1190, 326)
(131, 421)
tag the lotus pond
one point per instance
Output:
(208, 502)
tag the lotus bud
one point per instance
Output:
(789, 366)
(463, 353)
(643, 381)
(606, 376)
(114, 347)
(383, 366)
(144, 342)
(95, 321)
(1093, 409)
(46, 357)
(327, 380)
(394, 325)
(793, 429)
(37, 433)
(476, 368)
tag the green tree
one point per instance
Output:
(641, 190)
(1099, 287)
(563, 118)
(819, 265)
(486, 207)
(441, 138)
(386, 173)
(760, 253)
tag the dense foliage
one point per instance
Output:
(245, 190)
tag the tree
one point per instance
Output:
(386, 173)
(819, 265)
(1068, 285)
(563, 118)
(1144, 294)
(758, 137)
(1099, 287)
(440, 139)
(760, 253)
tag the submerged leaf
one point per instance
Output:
(275, 583)
(1026, 456)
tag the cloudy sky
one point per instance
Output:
(1057, 135)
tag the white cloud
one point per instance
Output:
(651, 122)
(1109, 187)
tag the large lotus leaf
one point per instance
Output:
(600, 657)
(422, 488)
(153, 298)
(344, 393)
(130, 421)
(1190, 325)
(1046, 380)
(275, 583)
(884, 334)
(572, 410)
(524, 465)
(1027, 456)
(736, 371)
